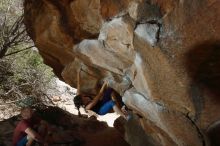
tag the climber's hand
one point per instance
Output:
(123, 109)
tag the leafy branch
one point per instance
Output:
(13, 35)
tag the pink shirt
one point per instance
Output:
(19, 131)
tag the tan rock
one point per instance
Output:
(166, 50)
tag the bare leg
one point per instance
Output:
(118, 110)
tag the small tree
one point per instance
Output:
(12, 30)
(24, 76)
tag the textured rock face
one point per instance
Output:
(161, 56)
(67, 130)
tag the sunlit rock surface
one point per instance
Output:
(162, 56)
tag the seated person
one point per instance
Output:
(101, 104)
(24, 133)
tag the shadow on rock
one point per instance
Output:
(203, 63)
(203, 67)
(213, 134)
(68, 129)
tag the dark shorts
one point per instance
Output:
(105, 108)
(106, 104)
(22, 142)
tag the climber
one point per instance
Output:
(102, 103)
(25, 133)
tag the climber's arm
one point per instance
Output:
(97, 97)
(34, 135)
(78, 82)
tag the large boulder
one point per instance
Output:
(161, 56)
(67, 129)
